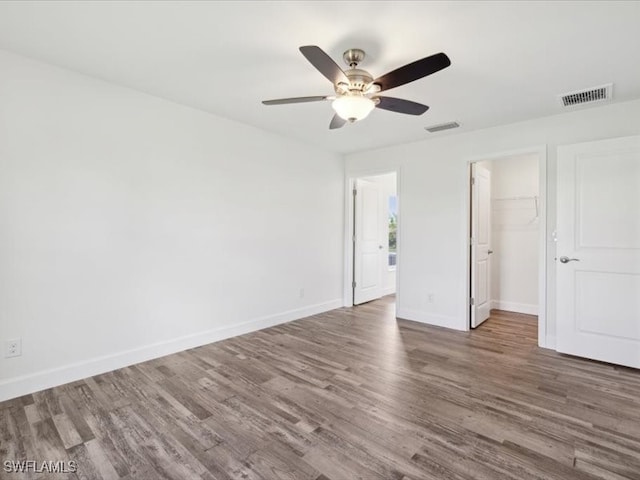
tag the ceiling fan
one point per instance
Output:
(357, 91)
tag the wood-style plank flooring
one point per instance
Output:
(349, 394)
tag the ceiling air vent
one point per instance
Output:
(441, 127)
(591, 95)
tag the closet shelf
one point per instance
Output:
(533, 197)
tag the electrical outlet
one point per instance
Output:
(431, 298)
(13, 348)
(302, 293)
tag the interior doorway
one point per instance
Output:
(373, 247)
(507, 225)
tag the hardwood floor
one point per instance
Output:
(349, 394)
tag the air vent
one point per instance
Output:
(591, 95)
(441, 127)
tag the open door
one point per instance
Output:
(598, 251)
(367, 248)
(480, 244)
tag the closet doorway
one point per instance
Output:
(506, 268)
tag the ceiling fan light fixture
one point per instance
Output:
(353, 107)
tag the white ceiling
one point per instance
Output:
(509, 59)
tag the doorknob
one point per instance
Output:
(565, 259)
(380, 247)
(490, 252)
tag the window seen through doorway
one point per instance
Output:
(393, 230)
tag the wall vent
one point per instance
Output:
(590, 95)
(441, 127)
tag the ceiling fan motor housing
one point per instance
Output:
(359, 80)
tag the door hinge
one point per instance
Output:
(353, 284)
(471, 241)
(355, 192)
(472, 301)
(473, 180)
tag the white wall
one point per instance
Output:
(434, 195)
(386, 187)
(514, 234)
(132, 227)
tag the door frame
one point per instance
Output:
(350, 181)
(541, 152)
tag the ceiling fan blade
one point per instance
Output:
(413, 71)
(401, 106)
(325, 65)
(337, 122)
(284, 101)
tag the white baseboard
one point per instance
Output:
(18, 386)
(389, 290)
(430, 318)
(529, 309)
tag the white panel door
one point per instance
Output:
(598, 251)
(481, 244)
(367, 247)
